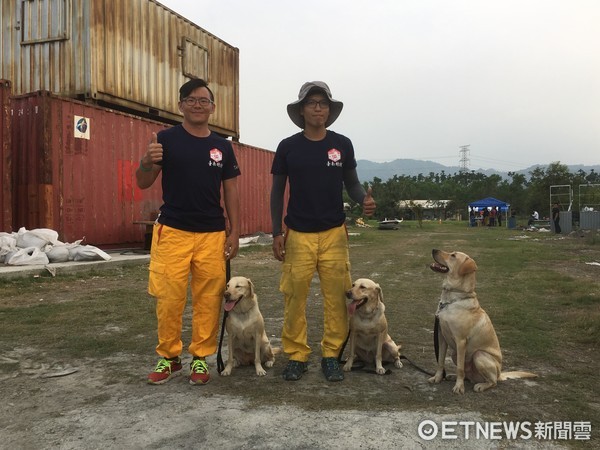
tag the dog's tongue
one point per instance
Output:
(352, 307)
(229, 305)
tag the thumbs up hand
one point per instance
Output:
(369, 203)
(154, 152)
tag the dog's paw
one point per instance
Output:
(226, 372)
(260, 372)
(380, 370)
(480, 387)
(436, 379)
(348, 366)
(269, 363)
(398, 364)
(459, 388)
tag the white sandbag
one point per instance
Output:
(8, 243)
(27, 256)
(87, 253)
(58, 253)
(39, 237)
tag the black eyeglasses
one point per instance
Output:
(323, 104)
(204, 102)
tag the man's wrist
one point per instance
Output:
(144, 168)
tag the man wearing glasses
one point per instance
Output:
(190, 234)
(317, 163)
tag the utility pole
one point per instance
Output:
(464, 158)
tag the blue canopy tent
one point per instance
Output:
(490, 202)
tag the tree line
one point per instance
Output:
(524, 194)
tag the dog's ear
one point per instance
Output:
(379, 293)
(251, 287)
(467, 267)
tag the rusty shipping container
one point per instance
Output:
(75, 169)
(254, 186)
(75, 172)
(129, 54)
(5, 158)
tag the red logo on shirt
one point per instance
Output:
(334, 155)
(216, 155)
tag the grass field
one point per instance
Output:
(539, 289)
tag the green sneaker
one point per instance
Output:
(199, 373)
(165, 370)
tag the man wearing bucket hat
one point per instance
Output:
(318, 163)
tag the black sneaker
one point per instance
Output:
(294, 370)
(331, 369)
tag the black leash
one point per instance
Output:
(220, 365)
(426, 372)
(343, 348)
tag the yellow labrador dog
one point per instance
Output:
(369, 339)
(465, 327)
(248, 341)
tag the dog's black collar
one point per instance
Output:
(441, 305)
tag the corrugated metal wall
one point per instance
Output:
(132, 53)
(255, 187)
(80, 187)
(5, 158)
(85, 187)
(589, 220)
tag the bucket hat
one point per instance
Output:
(307, 88)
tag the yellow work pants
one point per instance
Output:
(174, 255)
(327, 253)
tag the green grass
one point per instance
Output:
(80, 316)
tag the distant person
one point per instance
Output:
(317, 163)
(534, 216)
(556, 217)
(190, 234)
(486, 217)
(499, 217)
(493, 217)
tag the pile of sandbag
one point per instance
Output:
(41, 246)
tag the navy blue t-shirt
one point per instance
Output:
(315, 173)
(193, 169)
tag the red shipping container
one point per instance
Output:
(75, 169)
(5, 158)
(255, 188)
(75, 172)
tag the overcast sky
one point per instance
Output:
(516, 80)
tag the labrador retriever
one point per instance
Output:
(369, 339)
(247, 339)
(465, 328)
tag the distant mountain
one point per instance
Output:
(367, 170)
